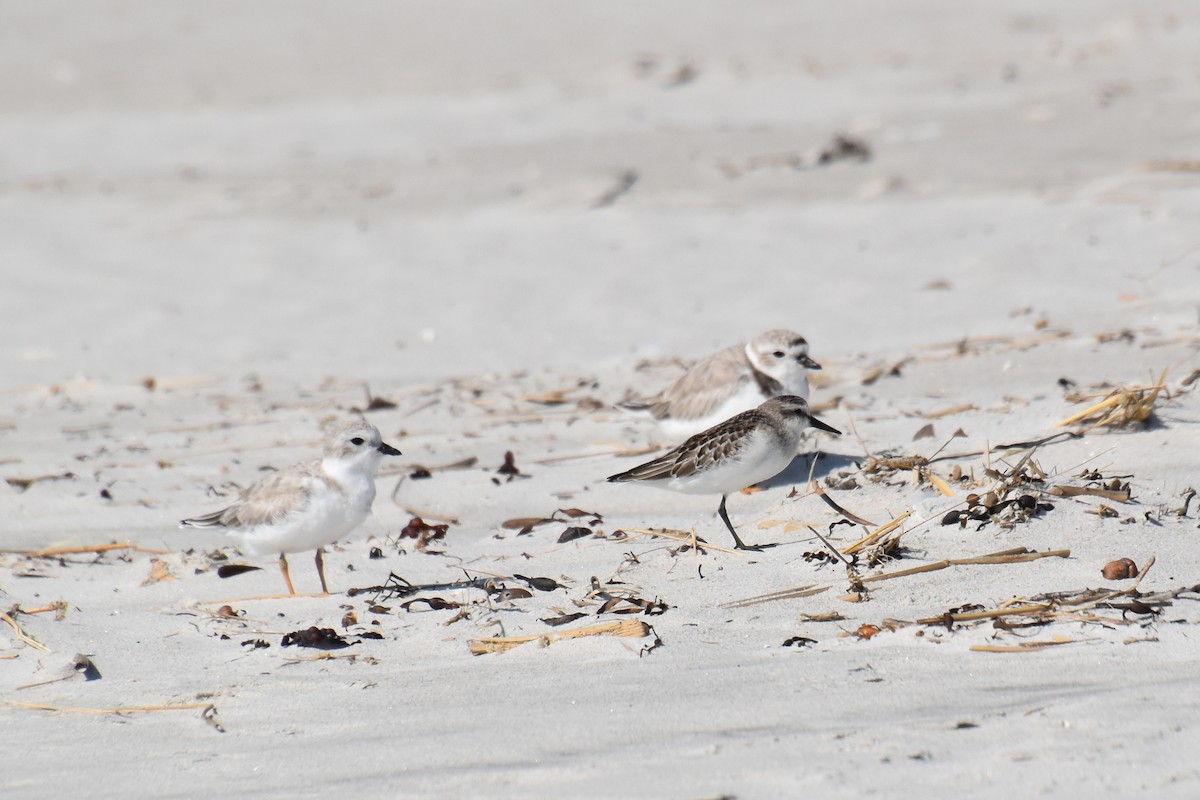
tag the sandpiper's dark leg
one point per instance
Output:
(321, 568)
(738, 543)
(283, 567)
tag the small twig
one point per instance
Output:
(971, 616)
(825, 542)
(1009, 557)
(625, 182)
(50, 552)
(59, 606)
(934, 567)
(816, 487)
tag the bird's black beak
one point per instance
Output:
(808, 362)
(387, 449)
(816, 423)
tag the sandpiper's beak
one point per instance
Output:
(816, 423)
(808, 362)
(387, 449)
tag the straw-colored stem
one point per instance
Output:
(24, 637)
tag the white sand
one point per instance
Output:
(266, 209)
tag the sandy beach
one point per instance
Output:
(484, 225)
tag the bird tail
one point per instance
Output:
(213, 520)
(657, 469)
(636, 404)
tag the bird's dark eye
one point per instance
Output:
(778, 354)
(357, 441)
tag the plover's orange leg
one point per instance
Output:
(283, 567)
(320, 559)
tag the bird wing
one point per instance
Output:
(701, 390)
(268, 501)
(720, 443)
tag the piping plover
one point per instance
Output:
(733, 380)
(307, 505)
(751, 447)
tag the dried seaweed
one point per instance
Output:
(633, 605)
(319, 638)
(433, 603)
(882, 468)
(524, 525)
(396, 587)
(423, 532)
(509, 467)
(540, 584)
(22, 484)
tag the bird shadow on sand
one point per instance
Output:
(797, 473)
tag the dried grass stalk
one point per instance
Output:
(117, 710)
(51, 552)
(807, 590)
(1020, 555)
(877, 534)
(24, 637)
(1023, 647)
(624, 627)
(945, 412)
(1121, 407)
